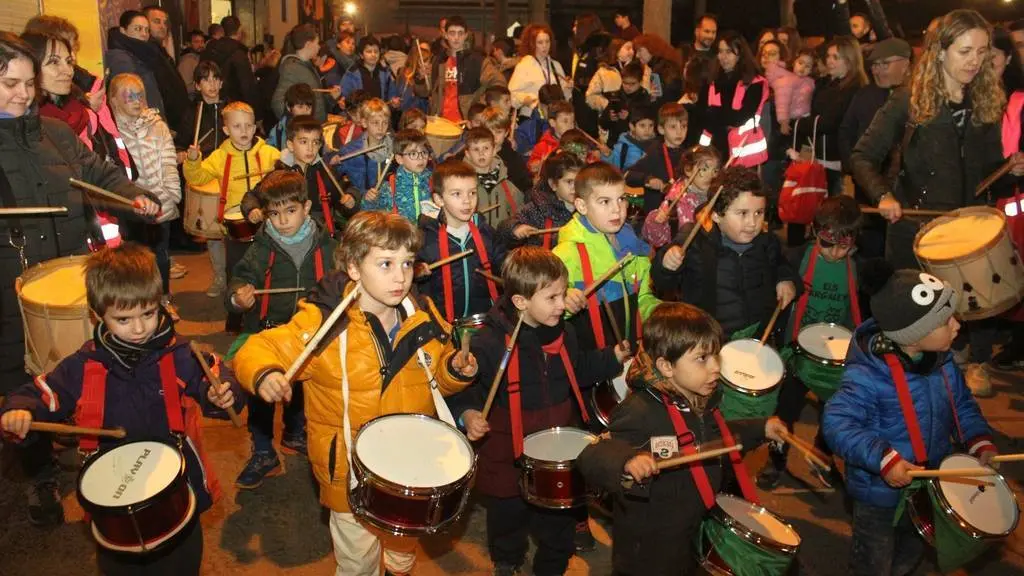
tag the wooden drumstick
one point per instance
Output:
(359, 152)
(323, 90)
(675, 461)
(682, 191)
(101, 192)
(1019, 457)
(952, 473)
(698, 221)
(325, 327)
(502, 366)
(205, 136)
(423, 62)
(907, 212)
(992, 178)
(214, 381)
(33, 210)
(611, 320)
(382, 173)
(279, 290)
(489, 276)
(199, 123)
(543, 231)
(604, 277)
(771, 323)
(812, 453)
(77, 430)
(450, 259)
(248, 175)
(490, 208)
(334, 181)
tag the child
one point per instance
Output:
(792, 91)
(291, 250)
(406, 191)
(577, 142)
(543, 387)
(552, 204)
(699, 166)
(209, 82)
(656, 170)
(561, 119)
(394, 347)
(498, 121)
(298, 101)
(498, 97)
(900, 380)
(495, 188)
(350, 128)
(531, 128)
(137, 375)
(371, 76)
(413, 119)
(736, 272)
(458, 286)
(364, 170)
(630, 146)
(614, 118)
(673, 410)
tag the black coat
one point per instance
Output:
(590, 55)
(239, 80)
(170, 85)
(718, 119)
(828, 106)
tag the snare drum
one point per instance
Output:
(137, 495)
(442, 134)
(605, 396)
(238, 226)
(468, 325)
(738, 533)
(820, 357)
(549, 478)
(201, 205)
(54, 311)
(412, 474)
(972, 250)
(752, 373)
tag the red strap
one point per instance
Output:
(700, 476)
(739, 469)
(318, 263)
(89, 410)
(548, 223)
(394, 195)
(265, 298)
(509, 197)
(851, 284)
(571, 373)
(668, 163)
(485, 262)
(325, 203)
(446, 274)
(952, 405)
(899, 378)
(808, 280)
(172, 398)
(224, 181)
(592, 305)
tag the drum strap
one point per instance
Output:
(509, 197)
(593, 308)
(669, 169)
(899, 378)
(548, 223)
(808, 279)
(318, 263)
(515, 408)
(224, 181)
(446, 270)
(325, 203)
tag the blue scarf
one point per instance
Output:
(300, 236)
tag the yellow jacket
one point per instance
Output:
(407, 389)
(260, 158)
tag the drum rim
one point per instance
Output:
(477, 319)
(128, 509)
(158, 542)
(530, 463)
(755, 392)
(965, 524)
(814, 357)
(741, 530)
(35, 271)
(954, 214)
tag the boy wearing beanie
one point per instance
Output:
(901, 400)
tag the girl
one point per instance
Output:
(412, 83)
(700, 164)
(413, 119)
(550, 206)
(792, 90)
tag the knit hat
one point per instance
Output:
(911, 303)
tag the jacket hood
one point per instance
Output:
(643, 376)
(395, 59)
(332, 289)
(579, 230)
(626, 139)
(293, 59)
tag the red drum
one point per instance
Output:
(549, 478)
(605, 396)
(238, 226)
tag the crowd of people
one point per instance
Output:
(630, 206)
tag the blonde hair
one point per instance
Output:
(849, 50)
(122, 278)
(375, 229)
(122, 81)
(237, 106)
(374, 107)
(530, 269)
(927, 87)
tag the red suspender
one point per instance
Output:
(265, 299)
(485, 262)
(318, 263)
(899, 378)
(325, 203)
(548, 223)
(592, 305)
(446, 274)
(852, 288)
(89, 411)
(394, 195)
(739, 469)
(508, 197)
(571, 373)
(808, 280)
(668, 163)
(172, 397)
(224, 181)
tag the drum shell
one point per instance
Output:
(604, 398)
(52, 331)
(201, 206)
(468, 324)
(240, 229)
(714, 564)
(440, 144)
(552, 484)
(807, 366)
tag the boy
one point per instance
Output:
(529, 130)
(298, 101)
(290, 251)
(498, 97)
(458, 286)
(615, 116)
(543, 387)
(735, 272)
(498, 121)
(495, 189)
(900, 381)
(372, 76)
(390, 340)
(350, 127)
(561, 119)
(458, 150)
(551, 206)
(630, 146)
(208, 82)
(828, 273)
(137, 375)
(406, 191)
(673, 410)
(459, 73)
(657, 168)
(364, 170)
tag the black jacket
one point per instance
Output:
(828, 106)
(591, 53)
(433, 285)
(652, 165)
(239, 80)
(717, 120)
(212, 122)
(866, 102)
(153, 59)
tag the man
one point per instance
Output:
(703, 51)
(215, 32)
(298, 68)
(173, 88)
(627, 31)
(190, 59)
(866, 28)
(232, 55)
(159, 29)
(461, 75)
(860, 27)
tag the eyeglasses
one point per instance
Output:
(416, 155)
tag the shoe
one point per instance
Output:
(44, 507)
(178, 271)
(217, 287)
(505, 570)
(769, 476)
(583, 539)
(1008, 360)
(978, 380)
(261, 465)
(292, 445)
(828, 478)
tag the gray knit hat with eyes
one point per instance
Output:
(911, 304)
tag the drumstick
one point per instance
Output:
(248, 175)
(907, 212)
(812, 453)
(490, 208)
(604, 277)
(325, 327)
(101, 192)
(1019, 457)
(501, 367)
(969, 481)
(465, 341)
(682, 191)
(382, 173)
(489, 276)
(543, 231)
(214, 381)
(675, 461)
(991, 179)
(66, 429)
(449, 259)
(952, 472)
(334, 181)
(205, 136)
(359, 152)
(279, 290)
(323, 90)
(698, 221)
(32, 210)
(611, 320)
(199, 122)
(423, 62)
(771, 323)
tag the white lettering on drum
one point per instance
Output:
(130, 476)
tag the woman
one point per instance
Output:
(946, 125)
(590, 43)
(535, 69)
(63, 28)
(666, 66)
(766, 35)
(412, 84)
(771, 52)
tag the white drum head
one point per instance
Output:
(150, 466)
(826, 341)
(959, 236)
(557, 444)
(62, 286)
(414, 450)
(619, 383)
(233, 213)
(751, 365)
(993, 511)
(758, 520)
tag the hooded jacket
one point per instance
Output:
(294, 70)
(239, 79)
(626, 152)
(362, 170)
(149, 141)
(212, 123)
(652, 165)
(260, 158)
(412, 191)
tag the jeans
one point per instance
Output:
(881, 549)
(261, 420)
(511, 521)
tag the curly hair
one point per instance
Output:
(735, 181)
(927, 88)
(528, 41)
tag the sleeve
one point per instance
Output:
(118, 62)
(449, 381)
(595, 91)
(976, 430)
(198, 385)
(249, 270)
(169, 166)
(383, 200)
(841, 11)
(521, 85)
(667, 281)
(473, 397)
(98, 172)
(782, 88)
(850, 423)
(283, 84)
(604, 463)
(275, 349)
(749, 432)
(350, 82)
(247, 84)
(646, 300)
(638, 173)
(490, 75)
(199, 172)
(250, 202)
(784, 269)
(596, 365)
(879, 22)
(874, 146)
(50, 397)
(752, 100)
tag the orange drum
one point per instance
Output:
(54, 311)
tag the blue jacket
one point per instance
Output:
(353, 80)
(528, 133)
(361, 170)
(409, 204)
(278, 134)
(625, 153)
(864, 423)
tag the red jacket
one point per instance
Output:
(547, 144)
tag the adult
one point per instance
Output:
(590, 43)
(865, 28)
(702, 51)
(63, 28)
(766, 35)
(37, 157)
(1004, 57)
(790, 37)
(160, 29)
(190, 59)
(536, 68)
(438, 47)
(947, 127)
(173, 88)
(1016, 29)
(214, 31)
(860, 27)
(665, 65)
(623, 21)
(460, 75)
(232, 55)
(298, 68)
(342, 50)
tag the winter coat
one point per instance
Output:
(239, 80)
(149, 141)
(259, 158)
(499, 195)
(626, 152)
(410, 200)
(527, 79)
(828, 106)
(357, 78)
(864, 424)
(544, 211)
(716, 120)
(315, 174)
(476, 73)
(865, 104)
(126, 55)
(792, 94)
(211, 122)
(277, 137)
(362, 170)
(587, 60)
(547, 144)
(686, 209)
(294, 70)
(652, 165)
(383, 377)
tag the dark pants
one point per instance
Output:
(510, 522)
(37, 460)
(791, 403)
(183, 556)
(261, 420)
(881, 549)
(234, 251)
(157, 238)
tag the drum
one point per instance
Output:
(412, 474)
(820, 357)
(238, 226)
(442, 134)
(330, 127)
(971, 249)
(468, 325)
(201, 204)
(549, 478)
(54, 311)
(635, 205)
(752, 373)
(605, 396)
(137, 495)
(738, 534)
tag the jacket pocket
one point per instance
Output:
(331, 456)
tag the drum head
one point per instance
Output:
(55, 284)
(619, 383)
(825, 341)
(129, 474)
(414, 450)
(751, 365)
(992, 511)
(233, 213)
(950, 237)
(442, 127)
(557, 444)
(758, 520)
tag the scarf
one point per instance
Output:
(129, 354)
(300, 235)
(68, 110)
(490, 179)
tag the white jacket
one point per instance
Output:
(527, 79)
(609, 79)
(149, 142)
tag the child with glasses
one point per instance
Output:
(406, 191)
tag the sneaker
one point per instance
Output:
(505, 570)
(217, 287)
(978, 380)
(292, 445)
(1008, 360)
(44, 507)
(769, 476)
(178, 271)
(261, 465)
(583, 539)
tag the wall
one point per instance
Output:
(85, 17)
(15, 13)
(282, 22)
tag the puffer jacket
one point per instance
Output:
(528, 78)
(863, 422)
(315, 175)
(294, 70)
(362, 170)
(126, 55)
(152, 148)
(358, 77)
(626, 152)
(259, 158)
(383, 378)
